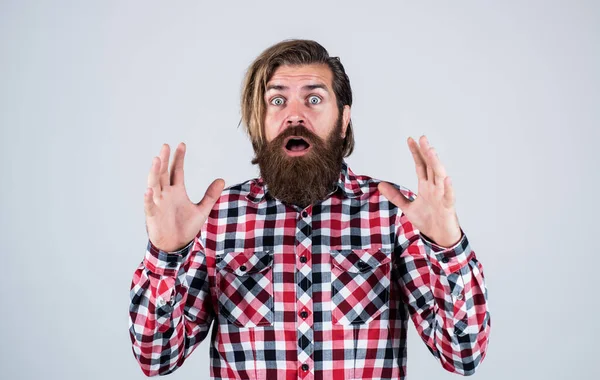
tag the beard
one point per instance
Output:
(307, 179)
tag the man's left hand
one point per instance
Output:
(432, 212)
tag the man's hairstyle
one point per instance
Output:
(290, 52)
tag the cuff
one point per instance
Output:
(449, 259)
(165, 263)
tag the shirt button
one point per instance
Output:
(445, 260)
(303, 314)
(243, 268)
(305, 367)
(302, 259)
(304, 214)
(459, 297)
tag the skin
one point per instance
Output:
(302, 95)
(432, 212)
(172, 219)
(296, 95)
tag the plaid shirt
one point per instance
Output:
(323, 292)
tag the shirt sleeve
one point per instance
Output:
(170, 311)
(445, 293)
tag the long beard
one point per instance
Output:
(307, 179)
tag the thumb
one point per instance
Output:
(393, 195)
(210, 197)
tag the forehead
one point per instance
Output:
(300, 74)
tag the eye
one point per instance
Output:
(314, 99)
(278, 101)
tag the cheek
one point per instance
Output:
(326, 124)
(272, 123)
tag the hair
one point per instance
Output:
(290, 52)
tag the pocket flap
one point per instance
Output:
(245, 262)
(360, 260)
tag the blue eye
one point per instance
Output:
(277, 101)
(314, 99)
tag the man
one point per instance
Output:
(308, 271)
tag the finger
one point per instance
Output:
(425, 147)
(153, 180)
(420, 165)
(430, 177)
(449, 192)
(165, 152)
(210, 197)
(149, 205)
(439, 172)
(177, 165)
(393, 195)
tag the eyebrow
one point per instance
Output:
(308, 87)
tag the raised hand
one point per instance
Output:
(172, 219)
(432, 212)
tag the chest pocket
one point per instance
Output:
(245, 287)
(360, 285)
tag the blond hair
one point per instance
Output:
(290, 52)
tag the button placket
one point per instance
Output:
(304, 293)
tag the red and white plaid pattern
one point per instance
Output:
(323, 292)
(245, 288)
(360, 281)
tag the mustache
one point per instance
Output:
(298, 130)
(271, 148)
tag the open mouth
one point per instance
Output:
(296, 145)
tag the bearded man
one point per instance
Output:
(308, 271)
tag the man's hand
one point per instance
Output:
(172, 220)
(432, 212)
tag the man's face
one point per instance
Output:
(302, 95)
(304, 132)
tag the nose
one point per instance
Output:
(295, 113)
(294, 119)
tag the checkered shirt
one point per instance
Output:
(323, 292)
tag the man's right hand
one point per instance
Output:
(172, 219)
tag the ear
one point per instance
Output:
(345, 120)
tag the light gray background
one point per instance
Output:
(507, 92)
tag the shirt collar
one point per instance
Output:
(347, 182)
